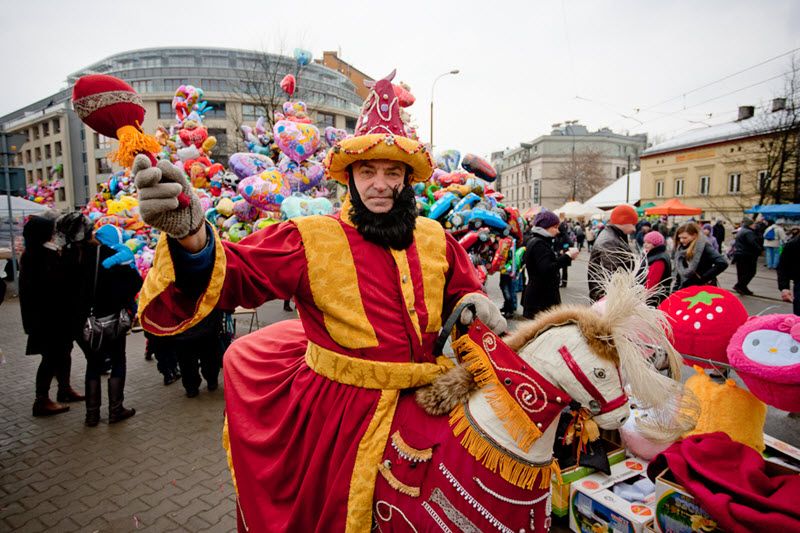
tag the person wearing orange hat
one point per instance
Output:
(611, 249)
(309, 402)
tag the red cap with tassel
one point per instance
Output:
(112, 108)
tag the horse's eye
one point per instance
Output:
(600, 373)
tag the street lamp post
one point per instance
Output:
(433, 87)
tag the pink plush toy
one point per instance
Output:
(765, 351)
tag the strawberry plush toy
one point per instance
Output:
(703, 320)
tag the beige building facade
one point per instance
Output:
(529, 173)
(720, 169)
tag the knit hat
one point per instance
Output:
(624, 214)
(380, 134)
(747, 221)
(707, 226)
(655, 238)
(546, 219)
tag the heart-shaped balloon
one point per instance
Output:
(297, 140)
(194, 136)
(245, 211)
(334, 135)
(266, 191)
(301, 177)
(245, 164)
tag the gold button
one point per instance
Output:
(412, 310)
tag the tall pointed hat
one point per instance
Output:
(380, 134)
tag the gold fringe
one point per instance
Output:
(517, 473)
(407, 452)
(519, 426)
(396, 484)
(131, 142)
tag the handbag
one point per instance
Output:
(99, 330)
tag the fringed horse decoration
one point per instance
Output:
(488, 465)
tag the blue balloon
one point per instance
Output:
(303, 57)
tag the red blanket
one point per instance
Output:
(730, 482)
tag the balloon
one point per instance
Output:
(301, 205)
(189, 152)
(245, 211)
(225, 207)
(244, 164)
(294, 111)
(301, 177)
(297, 140)
(288, 84)
(448, 160)
(266, 190)
(303, 57)
(334, 135)
(194, 136)
(479, 166)
(209, 144)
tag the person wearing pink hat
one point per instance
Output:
(659, 267)
(611, 250)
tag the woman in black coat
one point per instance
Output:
(48, 313)
(543, 265)
(697, 262)
(116, 290)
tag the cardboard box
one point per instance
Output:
(676, 509)
(594, 506)
(781, 453)
(650, 527)
(560, 491)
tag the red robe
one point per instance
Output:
(294, 434)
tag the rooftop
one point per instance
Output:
(614, 194)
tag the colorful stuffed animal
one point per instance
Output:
(113, 237)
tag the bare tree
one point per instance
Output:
(582, 175)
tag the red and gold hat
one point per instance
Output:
(112, 108)
(380, 134)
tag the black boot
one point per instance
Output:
(93, 401)
(116, 412)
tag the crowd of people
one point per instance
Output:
(676, 256)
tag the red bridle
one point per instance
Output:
(605, 406)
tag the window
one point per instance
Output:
(215, 61)
(252, 112)
(214, 85)
(679, 187)
(143, 86)
(150, 62)
(181, 61)
(165, 110)
(27, 156)
(34, 133)
(56, 126)
(325, 119)
(45, 129)
(536, 191)
(58, 149)
(217, 110)
(734, 183)
(763, 180)
(29, 175)
(660, 189)
(102, 166)
(101, 142)
(38, 173)
(38, 152)
(349, 123)
(705, 181)
(172, 84)
(48, 152)
(61, 195)
(221, 149)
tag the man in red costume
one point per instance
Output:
(309, 402)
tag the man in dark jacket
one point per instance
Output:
(747, 249)
(789, 270)
(718, 231)
(611, 250)
(543, 265)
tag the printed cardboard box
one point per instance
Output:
(676, 509)
(595, 507)
(781, 453)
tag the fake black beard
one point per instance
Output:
(394, 229)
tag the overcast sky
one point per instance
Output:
(524, 65)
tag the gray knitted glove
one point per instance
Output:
(487, 312)
(166, 200)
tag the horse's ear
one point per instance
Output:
(448, 391)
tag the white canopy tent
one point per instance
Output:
(578, 210)
(614, 194)
(19, 206)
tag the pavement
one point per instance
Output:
(164, 469)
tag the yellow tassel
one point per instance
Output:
(590, 430)
(505, 407)
(513, 471)
(408, 452)
(132, 141)
(396, 484)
